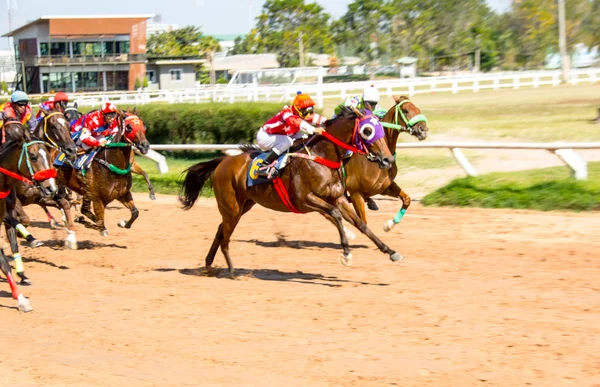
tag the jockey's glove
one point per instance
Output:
(307, 128)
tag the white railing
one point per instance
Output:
(339, 91)
(564, 150)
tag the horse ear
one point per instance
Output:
(135, 110)
(75, 105)
(396, 98)
(128, 109)
(358, 112)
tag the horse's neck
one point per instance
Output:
(391, 135)
(328, 149)
(9, 161)
(119, 156)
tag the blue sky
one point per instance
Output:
(214, 16)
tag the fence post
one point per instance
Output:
(464, 162)
(454, 86)
(411, 89)
(496, 83)
(573, 161)
(536, 81)
(516, 82)
(320, 87)
(476, 85)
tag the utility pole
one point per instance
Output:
(301, 44)
(562, 41)
(477, 54)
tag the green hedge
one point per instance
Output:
(206, 123)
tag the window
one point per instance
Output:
(44, 49)
(176, 75)
(151, 75)
(122, 48)
(59, 49)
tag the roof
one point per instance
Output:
(42, 18)
(407, 60)
(245, 62)
(177, 61)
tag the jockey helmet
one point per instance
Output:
(108, 108)
(303, 104)
(371, 97)
(19, 97)
(60, 96)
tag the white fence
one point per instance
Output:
(564, 150)
(339, 91)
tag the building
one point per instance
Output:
(225, 66)
(8, 68)
(168, 73)
(81, 53)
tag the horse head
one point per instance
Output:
(134, 131)
(71, 113)
(409, 116)
(55, 130)
(364, 131)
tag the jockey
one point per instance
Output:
(58, 104)
(18, 109)
(279, 132)
(96, 126)
(369, 100)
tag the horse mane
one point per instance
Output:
(249, 148)
(346, 113)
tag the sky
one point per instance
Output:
(213, 16)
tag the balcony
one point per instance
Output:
(82, 60)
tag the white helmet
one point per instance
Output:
(371, 96)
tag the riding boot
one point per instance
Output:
(371, 205)
(267, 167)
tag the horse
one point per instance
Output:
(73, 114)
(364, 180)
(54, 129)
(311, 182)
(22, 159)
(109, 174)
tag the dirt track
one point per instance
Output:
(484, 297)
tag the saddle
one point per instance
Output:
(252, 176)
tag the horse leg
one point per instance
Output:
(23, 303)
(21, 215)
(395, 191)
(231, 210)
(127, 201)
(54, 225)
(346, 209)
(71, 239)
(85, 210)
(334, 215)
(99, 211)
(135, 168)
(11, 234)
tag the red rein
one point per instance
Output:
(38, 176)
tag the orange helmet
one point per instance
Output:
(60, 96)
(108, 107)
(303, 104)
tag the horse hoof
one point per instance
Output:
(54, 225)
(24, 305)
(69, 244)
(396, 257)
(104, 233)
(36, 243)
(387, 226)
(152, 196)
(122, 224)
(346, 260)
(25, 281)
(349, 234)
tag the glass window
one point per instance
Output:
(122, 80)
(151, 75)
(59, 49)
(176, 75)
(109, 48)
(122, 48)
(78, 48)
(44, 49)
(90, 80)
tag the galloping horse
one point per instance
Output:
(73, 114)
(55, 131)
(109, 175)
(312, 185)
(22, 159)
(364, 180)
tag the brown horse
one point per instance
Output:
(312, 186)
(73, 114)
(55, 131)
(109, 175)
(22, 160)
(364, 180)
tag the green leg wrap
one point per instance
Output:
(399, 215)
(18, 263)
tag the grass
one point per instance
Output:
(539, 189)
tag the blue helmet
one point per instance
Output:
(19, 96)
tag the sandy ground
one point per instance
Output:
(484, 297)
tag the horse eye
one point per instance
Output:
(128, 129)
(33, 157)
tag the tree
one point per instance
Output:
(187, 41)
(279, 27)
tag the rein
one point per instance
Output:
(35, 176)
(342, 144)
(409, 123)
(50, 141)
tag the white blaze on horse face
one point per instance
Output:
(63, 122)
(47, 166)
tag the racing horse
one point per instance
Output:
(364, 180)
(312, 183)
(109, 174)
(73, 114)
(54, 129)
(22, 159)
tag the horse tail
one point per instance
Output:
(195, 178)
